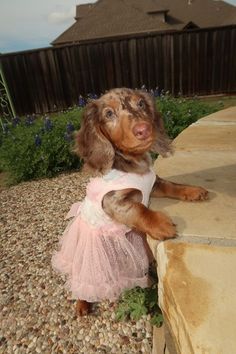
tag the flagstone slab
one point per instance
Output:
(197, 285)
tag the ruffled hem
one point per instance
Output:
(61, 265)
(97, 293)
(100, 263)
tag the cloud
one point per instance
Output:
(62, 17)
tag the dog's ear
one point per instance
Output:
(91, 144)
(162, 144)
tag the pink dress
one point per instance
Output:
(100, 257)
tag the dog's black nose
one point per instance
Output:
(142, 131)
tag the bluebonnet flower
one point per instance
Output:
(48, 124)
(15, 121)
(92, 96)
(156, 92)
(29, 120)
(37, 140)
(70, 128)
(81, 102)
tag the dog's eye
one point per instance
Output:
(109, 113)
(141, 103)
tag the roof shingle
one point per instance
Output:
(110, 18)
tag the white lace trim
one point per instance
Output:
(93, 214)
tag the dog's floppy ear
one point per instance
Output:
(162, 144)
(91, 144)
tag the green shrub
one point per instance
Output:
(39, 147)
(179, 113)
(137, 302)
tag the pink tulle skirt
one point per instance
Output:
(101, 262)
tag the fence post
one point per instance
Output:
(6, 105)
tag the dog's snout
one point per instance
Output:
(142, 131)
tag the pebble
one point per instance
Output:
(37, 315)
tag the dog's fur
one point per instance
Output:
(118, 131)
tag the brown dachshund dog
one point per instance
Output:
(117, 132)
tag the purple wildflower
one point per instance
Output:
(92, 96)
(81, 101)
(37, 140)
(29, 120)
(156, 92)
(15, 121)
(70, 128)
(48, 124)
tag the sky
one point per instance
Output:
(31, 24)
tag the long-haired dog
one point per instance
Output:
(118, 132)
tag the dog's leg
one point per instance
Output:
(83, 308)
(168, 189)
(124, 206)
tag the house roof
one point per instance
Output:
(111, 18)
(82, 10)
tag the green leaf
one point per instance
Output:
(157, 320)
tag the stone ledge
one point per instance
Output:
(197, 295)
(196, 282)
(227, 115)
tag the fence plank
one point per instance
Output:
(193, 62)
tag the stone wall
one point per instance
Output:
(197, 280)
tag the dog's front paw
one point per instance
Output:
(162, 227)
(195, 194)
(83, 308)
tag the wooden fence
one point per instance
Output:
(194, 62)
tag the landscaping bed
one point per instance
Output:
(36, 147)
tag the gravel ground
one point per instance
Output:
(36, 313)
